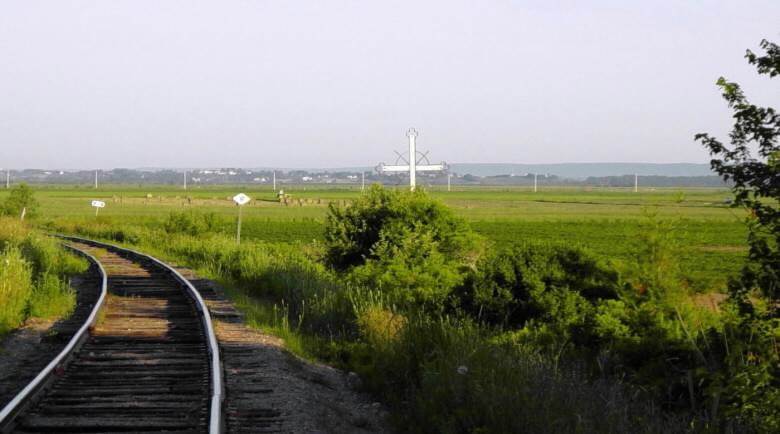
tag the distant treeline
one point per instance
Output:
(266, 177)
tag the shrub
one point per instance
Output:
(353, 232)
(548, 283)
(21, 197)
(410, 271)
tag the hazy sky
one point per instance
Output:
(337, 83)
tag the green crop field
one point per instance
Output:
(609, 221)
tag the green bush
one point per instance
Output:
(410, 271)
(553, 284)
(353, 232)
(20, 198)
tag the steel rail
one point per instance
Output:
(216, 423)
(75, 342)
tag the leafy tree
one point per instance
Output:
(756, 179)
(21, 197)
(749, 377)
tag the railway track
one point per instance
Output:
(145, 360)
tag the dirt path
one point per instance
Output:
(270, 390)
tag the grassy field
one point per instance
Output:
(609, 221)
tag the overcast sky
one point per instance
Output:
(337, 83)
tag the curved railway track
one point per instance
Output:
(145, 360)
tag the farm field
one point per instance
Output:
(710, 235)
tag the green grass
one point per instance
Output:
(605, 220)
(34, 271)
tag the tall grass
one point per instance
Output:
(34, 272)
(448, 375)
(15, 288)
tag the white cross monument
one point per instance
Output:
(413, 163)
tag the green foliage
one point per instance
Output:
(655, 267)
(404, 244)
(410, 271)
(20, 198)
(353, 232)
(745, 378)
(15, 288)
(33, 275)
(554, 284)
(755, 179)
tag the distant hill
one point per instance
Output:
(585, 170)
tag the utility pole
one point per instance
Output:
(8, 179)
(185, 179)
(535, 183)
(363, 183)
(96, 181)
(274, 181)
(636, 183)
(449, 177)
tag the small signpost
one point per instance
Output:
(240, 199)
(97, 204)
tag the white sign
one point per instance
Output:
(98, 204)
(241, 199)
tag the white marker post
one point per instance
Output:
(412, 134)
(97, 204)
(240, 199)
